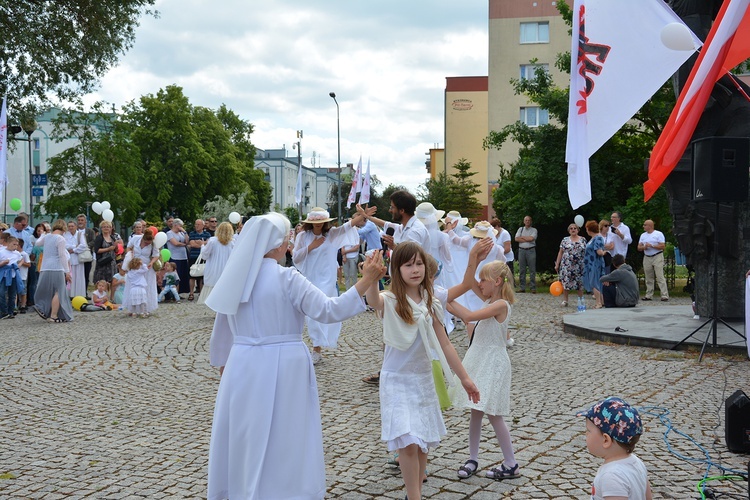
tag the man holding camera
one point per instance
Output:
(621, 236)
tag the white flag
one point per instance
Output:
(356, 184)
(3, 150)
(298, 190)
(365, 196)
(622, 52)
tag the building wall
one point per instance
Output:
(466, 106)
(507, 54)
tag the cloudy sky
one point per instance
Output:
(274, 63)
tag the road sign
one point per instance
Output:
(37, 191)
(39, 180)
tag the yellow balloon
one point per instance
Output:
(78, 302)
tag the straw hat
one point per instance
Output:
(482, 230)
(426, 210)
(456, 215)
(318, 215)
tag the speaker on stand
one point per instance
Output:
(721, 168)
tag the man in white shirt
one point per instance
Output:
(652, 244)
(406, 227)
(621, 235)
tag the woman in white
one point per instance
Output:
(51, 301)
(142, 246)
(439, 241)
(314, 255)
(75, 243)
(267, 412)
(216, 252)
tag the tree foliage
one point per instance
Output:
(536, 183)
(455, 192)
(62, 48)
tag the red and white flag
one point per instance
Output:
(3, 150)
(622, 53)
(356, 184)
(727, 45)
(364, 197)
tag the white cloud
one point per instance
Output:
(275, 62)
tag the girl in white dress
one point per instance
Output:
(487, 363)
(314, 255)
(216, 252)
(414, 335)
(143, 247)
(137, 291)
(267, 410)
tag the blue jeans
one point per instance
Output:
(7, 298)
(169, 289)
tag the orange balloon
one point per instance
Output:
(556, 288)
(154, 230)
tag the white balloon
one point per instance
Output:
(108, 215)
(97, 207)
(160, 239)
(234, 217)
(677, 36)
(579, 220)
(106, 205)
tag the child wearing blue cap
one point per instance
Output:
(613, 428)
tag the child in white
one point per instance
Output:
(412, 422)
(487, 363)
(170, 282)
(24, 263)
(138, 293)
(613, 428)
(100, 296)
(118, 285)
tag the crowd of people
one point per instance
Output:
(441, 278)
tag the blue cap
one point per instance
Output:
(615, 417)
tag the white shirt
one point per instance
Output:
(413, 230)
(502, 237)
(621, 244)
(655, 237)
(627, 477)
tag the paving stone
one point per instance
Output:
(120, 408)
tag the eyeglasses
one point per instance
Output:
(212, 221)
(605, 225)
(572, 229)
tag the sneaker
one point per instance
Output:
(7, 316)
(22, 310)
(646, 298)
(316, 357)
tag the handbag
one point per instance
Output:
(440, 387)
(104, 259)
(86, 255)
(197, 269)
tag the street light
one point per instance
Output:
(338, 138)
(29, 127)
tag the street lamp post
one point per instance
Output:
(29, 128)
(338, 139)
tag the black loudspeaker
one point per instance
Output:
(737, 422)
(721, 166)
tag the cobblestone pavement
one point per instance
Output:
(114, 407)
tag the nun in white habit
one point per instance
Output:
(314, 254)
(267, 411)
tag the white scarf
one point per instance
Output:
(400, 335)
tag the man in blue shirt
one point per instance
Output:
(196, 239)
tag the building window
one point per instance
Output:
(534, 116)
(528, 71)
(535, 32)
(36, 144)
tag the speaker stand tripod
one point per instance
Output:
(714, 319)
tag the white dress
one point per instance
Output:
(320, 267)
(488, 365)
(470, 300)
(216, 256)
(409, 407)
(267, 416)
(145, 254)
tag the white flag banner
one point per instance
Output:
(356, 181)
(364, 197)
(3, 151)
(622, 52)
(747, 314)
(298, 189)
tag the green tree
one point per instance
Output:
(536, 183)
(454, 192)
(103, 165)
(62, 48)
(220, 207)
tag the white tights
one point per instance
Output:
(501, 432)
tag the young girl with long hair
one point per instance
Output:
(414, 335)
(487, 363)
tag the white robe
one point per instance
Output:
(320, 267)
(75, 244)
(267, 412)
(145, 254)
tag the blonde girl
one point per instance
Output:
(412, 422)
(101, 295)
(487, 363)
(138, 294)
